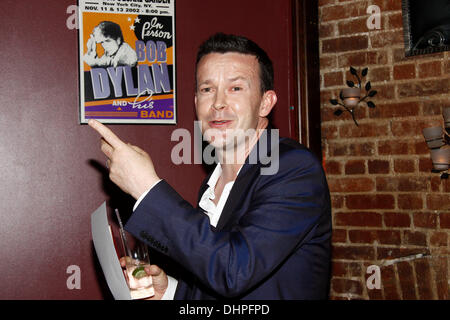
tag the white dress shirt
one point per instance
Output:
(212, 211)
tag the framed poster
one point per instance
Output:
(127, 61)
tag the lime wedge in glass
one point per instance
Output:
(139, 272)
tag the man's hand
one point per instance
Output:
(159, 278)
(130, 167)
(91, 46)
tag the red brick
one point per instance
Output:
(348, 27)
(395, 21)
(424, 279)
(354, 59)
(370, 236)
(439, 239)
(415, 238)
(355, 167)
(420, 147)
(380, 74)
(362, 59)
(363, 130)
(423, 88)
(329, 132)
(399, 55)
(333, 167)
(440, 267)
(413, 183)
(410, 201)
(326, 95)
(370, 201)
(338, 269)
(337, 201)
(404, 166)
(447, 67)
(411, 127)
(407, 281)
(353, 252)
(351, 149)
(363, 219)
(404, 71)
(333, 13)
(339, 235)
(425, 219)
(425, 165)
(394, 110)
(438, 202)
(342, 11)
(374, 294)
(430, 69)
(386, 92)
(328, 62)
(444, 220)
(435, 107)
(337, 150)
(327, 30)
(333, 79)
(389, 283)
(350, 184)
(326, 113)
(344, 269)
(396, 219)
(339, 285)
(345, 44)
(354, 269)
(435, 183)
(392, 147)
(402, 183)
(386, 39)
(361, 149)
(445, 184)
(378, 166)
(388, 5)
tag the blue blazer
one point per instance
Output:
(273, 239)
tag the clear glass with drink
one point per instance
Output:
(137, 258)
(139, 282)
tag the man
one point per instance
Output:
(254, 235)
(117, 52)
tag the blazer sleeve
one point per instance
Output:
(284, 212)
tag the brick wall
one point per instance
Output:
(389, 210)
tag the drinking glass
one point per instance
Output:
(137, 258)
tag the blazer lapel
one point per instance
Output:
(246, 176)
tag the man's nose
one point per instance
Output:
(219, 101)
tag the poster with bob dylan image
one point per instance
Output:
(127, 61)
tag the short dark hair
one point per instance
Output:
(111, 30)
(223, 43)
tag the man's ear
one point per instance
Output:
(268, 101)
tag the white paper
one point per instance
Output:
(106, 253)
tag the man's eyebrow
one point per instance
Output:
(204, 82)
(238, 78)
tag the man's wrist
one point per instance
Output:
(143, 194)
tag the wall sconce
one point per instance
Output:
(351, 96)
(438, 141)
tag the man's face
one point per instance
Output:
(228, 97)
(110, 45)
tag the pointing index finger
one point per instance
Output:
(106, 133)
